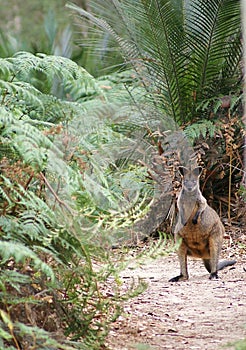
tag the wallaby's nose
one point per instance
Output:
(190, 185)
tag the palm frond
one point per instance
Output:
(181, 52)
(213, 30)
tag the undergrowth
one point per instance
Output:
(67, 195)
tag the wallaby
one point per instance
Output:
(198, 227)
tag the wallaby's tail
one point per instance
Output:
(221, 265)
(224, 263)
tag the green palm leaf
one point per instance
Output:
(182, 51)
(213, 30)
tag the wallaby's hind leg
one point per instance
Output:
(221, 264)
(206, 263)
(215, 247)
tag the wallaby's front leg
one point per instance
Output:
(182, 254)
(182, 217)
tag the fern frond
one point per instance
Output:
(26, 139)
(195, 130)
(20, 253)
(43, 87)
(19, 92)
(14, 279)
(35, 336)
(6, 68)
(26, 65)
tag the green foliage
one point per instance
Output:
(48, 22)
(35, 337)
(202, 128)
(71, 149)
(182, 54)
(20, 253)
(239, 345)
(39, 86)
(186, 57)
(52, 32)
(71, 186)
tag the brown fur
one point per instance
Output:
(198, 227)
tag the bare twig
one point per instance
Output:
(62, 203)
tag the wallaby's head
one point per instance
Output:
(190, 178)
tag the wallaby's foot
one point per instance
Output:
(213, 276)
(178, 278)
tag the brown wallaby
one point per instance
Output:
(198, 227)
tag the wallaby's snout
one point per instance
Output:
(190, 185)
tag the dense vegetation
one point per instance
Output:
(85, 158)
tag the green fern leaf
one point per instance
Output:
(21, 253)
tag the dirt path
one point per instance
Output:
(197, 314)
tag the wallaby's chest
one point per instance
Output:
(186, 205)
(194, 233)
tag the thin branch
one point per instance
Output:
(62, 203)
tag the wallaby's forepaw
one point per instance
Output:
(178, 278)
(195, 218)
(194, 221)
(213, 276)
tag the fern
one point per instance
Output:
(15, 280)
(20, 253)
(27, 140)
(25, 65)
(34, 336)
(69, 191)
(31, 85)
(203, 128)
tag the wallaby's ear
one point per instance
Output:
(183, 170)
(197, 171)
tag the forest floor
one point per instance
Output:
(191, 315)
